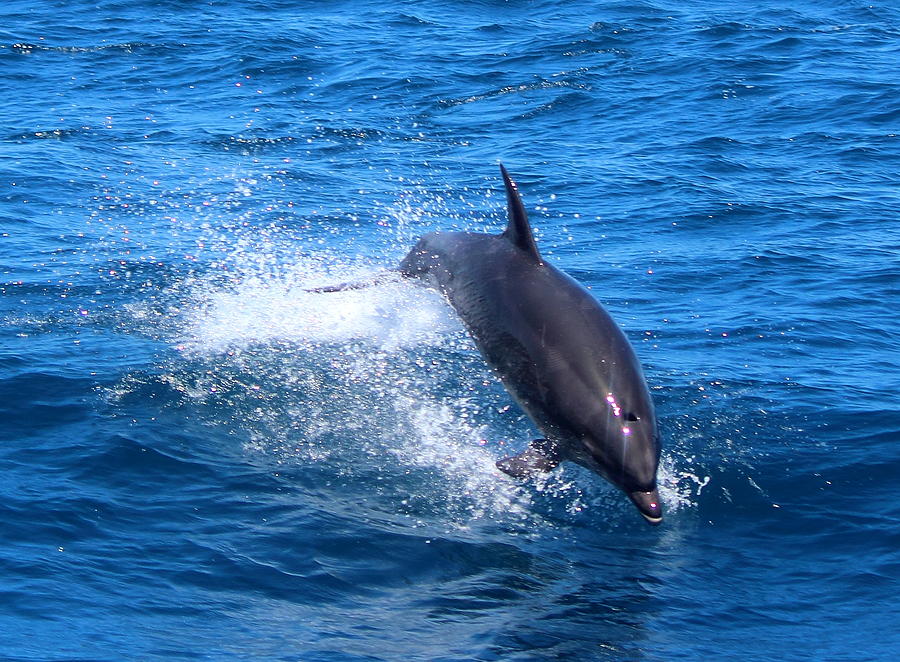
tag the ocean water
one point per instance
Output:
(201, 461)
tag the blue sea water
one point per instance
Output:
(200, 461)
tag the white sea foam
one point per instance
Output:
(383, 390)
(258, 309)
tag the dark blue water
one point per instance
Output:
(201, 461)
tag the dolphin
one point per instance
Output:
(557, 351)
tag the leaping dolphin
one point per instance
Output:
(556, 350)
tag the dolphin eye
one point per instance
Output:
(629, 416)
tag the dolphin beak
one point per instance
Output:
(648, 505)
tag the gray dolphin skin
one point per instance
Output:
(556, 350)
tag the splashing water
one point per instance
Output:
(679, 485)
(259, 310)
(383, 374)
(367, 379)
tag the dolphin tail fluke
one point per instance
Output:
(518, 231)
(540, 457)
(355, 285)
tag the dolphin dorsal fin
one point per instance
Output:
(518, 231)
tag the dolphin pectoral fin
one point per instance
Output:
(540, 457)
(355, 285)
